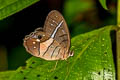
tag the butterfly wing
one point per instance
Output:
(56, 27)
(55, 43)
(31, 45)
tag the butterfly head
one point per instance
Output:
(38, 36)
(33, 40)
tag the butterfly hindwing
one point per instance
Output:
(32, 46)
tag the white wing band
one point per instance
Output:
(56, 29)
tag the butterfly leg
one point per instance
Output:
(67, 67)
(54, 66)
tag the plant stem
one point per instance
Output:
(118, 55)
(118, 13)
(118, 40)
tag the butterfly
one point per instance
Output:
(52, 42)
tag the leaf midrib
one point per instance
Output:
(78, 57)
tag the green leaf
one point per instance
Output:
(5, 75)
(103, 3)
(9, 7)
(92, 60)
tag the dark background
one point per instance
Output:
(14, 28)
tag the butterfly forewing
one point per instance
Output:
(53, 20)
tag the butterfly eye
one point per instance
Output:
(39, 36)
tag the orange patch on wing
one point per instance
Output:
(43, 47)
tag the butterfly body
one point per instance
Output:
(51, 42)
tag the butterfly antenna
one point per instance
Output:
(39, 29)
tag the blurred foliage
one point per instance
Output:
(3, 59)
(3, 25)
(17, 57)
(6, 75)
(80, 28)
(83, 15)
(9, 7)
(73, 8)
(103, 3)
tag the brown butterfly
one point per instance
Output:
(51, 42)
